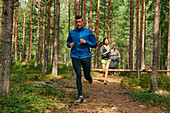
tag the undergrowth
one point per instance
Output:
(143, 94)
(32, 92)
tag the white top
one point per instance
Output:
(115, 53)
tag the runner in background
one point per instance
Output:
(105, 53)
(114, 58)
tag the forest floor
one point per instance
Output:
(100, 98)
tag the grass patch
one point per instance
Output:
(32, 92)
(153, 99)
(144, 83)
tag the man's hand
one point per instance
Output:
(82, 41)
(72, 44)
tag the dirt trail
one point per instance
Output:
(110, 98)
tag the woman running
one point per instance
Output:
(105, 53)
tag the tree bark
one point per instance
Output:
(51, 42)
(131, 36)
(104, 18)
(108, 25)
(137, 38)
(168, 67)
(142, 36)
(38, 35)
(77, 7)
(13, 34)
(154, 82)
(44, 31)
(16, 35)
(23, 41)
(47, 44)
(97, 34)
(82, 7)
(1, 2)
(68, 52)
(31, 26)
(56, 38)
(5, 47)
(151, 51)
(84, 14)
(91, 8)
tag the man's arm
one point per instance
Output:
(92, 40)
(69, 42)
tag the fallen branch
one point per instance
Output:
(127, 70)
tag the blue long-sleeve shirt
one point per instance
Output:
(81, 50)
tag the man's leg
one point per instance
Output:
(77, 67)
(86, 63)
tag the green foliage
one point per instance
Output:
(32, 92)
(153, 99)
(145, 81)
(142, 93)
(124, 74)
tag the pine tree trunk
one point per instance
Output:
(1, 2)
(82, 7)
(154, 82)
(5, 47)
(108, 25)
(31, 26)
(84, 13)
(68, 51)
(56, 38)
(87, 21)
(50, 42)
(75, 12)
(38, 34)
(13, 34)
(142, 36)
(40, 43)
(54, 30)
(168, 67)
(23, 41)
(151, 51)
(104, 18)
(137, 38)
(97, 34)
(16, 35)
(77, 7)
(91, 8)
(44, 31)
(131, 36)
(47, 45)
(110, 32)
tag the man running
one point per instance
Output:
(80, 40)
